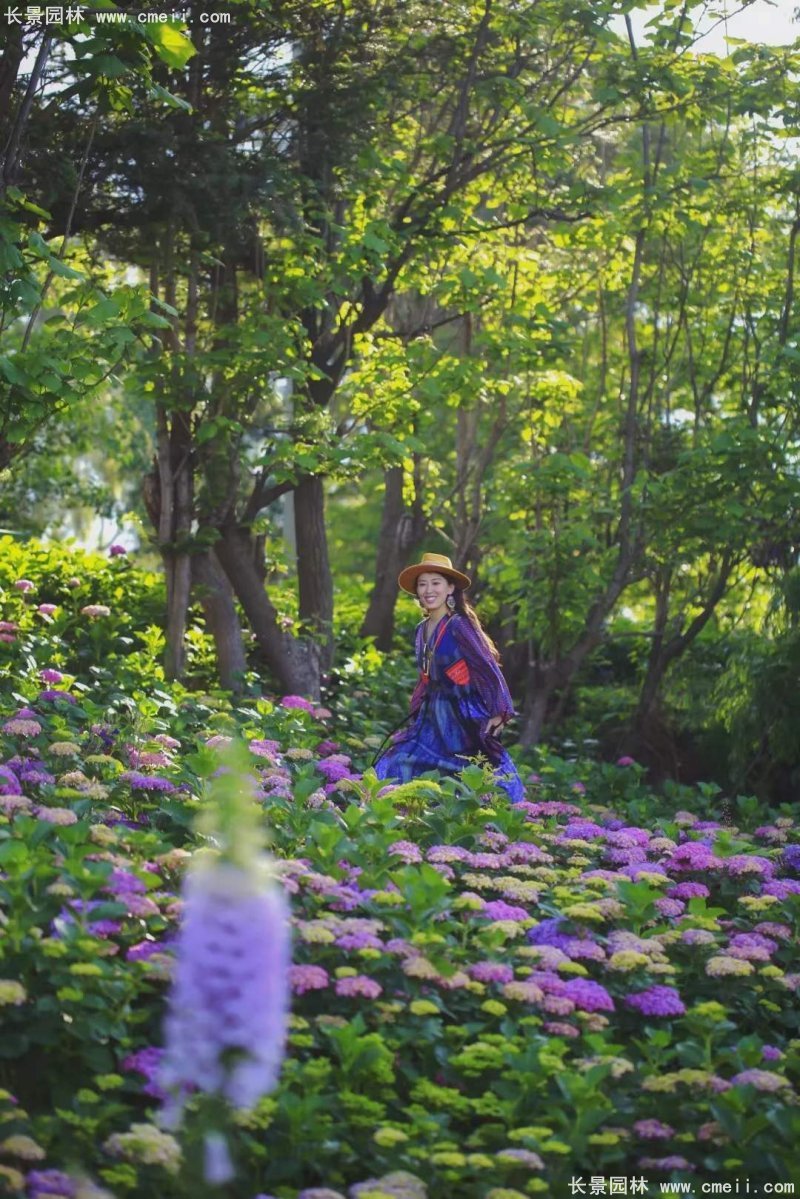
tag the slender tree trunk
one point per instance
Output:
(9, 69)
(11, 150)
(222, 620)
(400, 535)
(175, 480)
(314, 579)
(176, 477)
(665, 651)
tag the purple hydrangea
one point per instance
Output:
(52, 696)
(50, 1182)
(297, 701)
(147, 1062)
(781, 888)
(791, 858)
(147, 782)
(491, 972)
(588, 995)
(688, 890)
(582, 830)
(9, 783)
(653, 1130)
(498, 909)
(124, 882)
(335, 768)
(657, 1001)
(144, 950)
(546, 933)
(31, 772)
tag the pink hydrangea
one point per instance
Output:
(297, 701)
(93, 610)
(358, 984)
(24, 585)
(304, 978)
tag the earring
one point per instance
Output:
(451, 603)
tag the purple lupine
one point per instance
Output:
(657, 1001)
(230, 992)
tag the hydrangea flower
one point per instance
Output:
(9, 783)
(304, 978)
(358, 985)
(297, 701)
(147, 782)
(657, 1001)
(50, 1182)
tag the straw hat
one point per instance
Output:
(431, 564)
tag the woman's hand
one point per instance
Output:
(493, 724)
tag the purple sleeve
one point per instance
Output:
(485, 673)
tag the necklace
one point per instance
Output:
(430, 645)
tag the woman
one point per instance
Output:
(461, 698)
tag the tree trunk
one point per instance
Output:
(295, 669)
(666, 651)
(222, 620)
(175, 522)
(314, 580)
(400, 535)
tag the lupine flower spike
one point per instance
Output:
(226, 1024)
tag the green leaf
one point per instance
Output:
(172, 47)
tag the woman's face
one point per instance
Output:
(433, 590)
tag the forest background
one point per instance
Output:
(299, 296)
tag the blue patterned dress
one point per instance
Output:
(452, 702)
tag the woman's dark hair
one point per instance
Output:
(466, 609)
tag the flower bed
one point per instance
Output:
(488, 1001)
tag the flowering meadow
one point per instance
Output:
(486, 1001)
